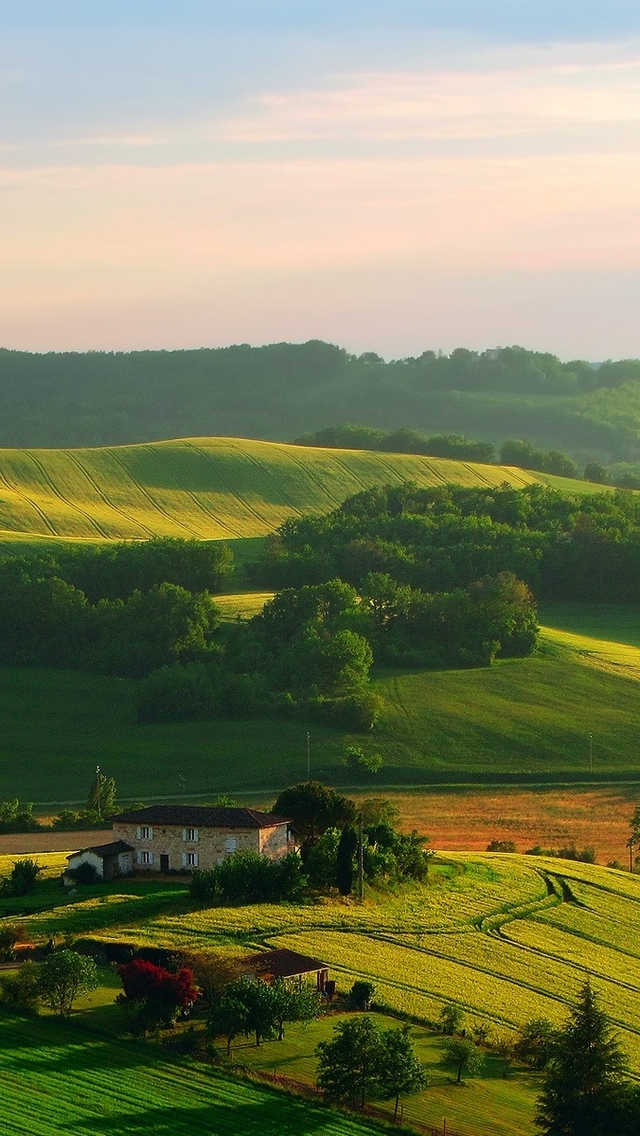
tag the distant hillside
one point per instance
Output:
(211, 488)
(284, 390)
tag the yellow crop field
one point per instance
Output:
(211, 488)
(52, 863)
(506, 937)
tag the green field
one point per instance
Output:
(211, 488)
(520, 718)
(57, 1080)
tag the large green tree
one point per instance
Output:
(349, 1065)
(63, 976)
(313, 808)
(584, 1092)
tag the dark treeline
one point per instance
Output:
(279, 391)
(120, 609)
(456, 446)
(445, 538)
(146, 611)
(312, 648)
(400, 442)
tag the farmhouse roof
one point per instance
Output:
(104, 850)
(283, 963)
(197, 815)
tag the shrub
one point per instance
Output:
(152, 995)
(22, 989)
(63, 976)
(246, 877)
(85, 874)
(23, 878)
(361, 995)
(10, 934)
(501, 846)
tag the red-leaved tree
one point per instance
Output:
(152, 995)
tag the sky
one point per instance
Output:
(391, 177)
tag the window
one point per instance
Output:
(190, 859)
(145, 857)
(191, 835)
(145, 833)
(231, 844)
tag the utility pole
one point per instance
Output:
(591, 751)
(308, 757)
(98, 793)
(360, 860)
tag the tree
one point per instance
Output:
(535, 1043)
(63, 976)
(349, 1066)
(260, 1005)
(228, 1018)
(583, 1088)
(345, 859)
(451, 1018)
(23, 877)
(313, 808)
(155, 993)
(294, 1003)
(460, 1054)
(102, 796)
(400, 1072)
(212, 972)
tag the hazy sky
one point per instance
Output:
(388, 176)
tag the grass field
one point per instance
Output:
(521, 718)
(211, 488)
(490, 1105)
(57, 1080)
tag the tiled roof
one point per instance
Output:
(200, 816)
(283, 963)
(105, 849)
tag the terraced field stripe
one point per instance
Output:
(144, 492)
(48, 480)
(34, 505)
(103, 496)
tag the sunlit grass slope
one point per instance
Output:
(212, 488)
(521, 718)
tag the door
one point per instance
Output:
(164, 863)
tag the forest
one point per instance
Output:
(441, 538)
(279, 391)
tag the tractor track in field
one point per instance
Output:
(41, 513)
(48, 480)
(103, 497)
(201, 506)
(265, 472)
(313, 476)
(232, 492)
(157, 508)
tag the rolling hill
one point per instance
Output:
(523, 721)
(210, 488)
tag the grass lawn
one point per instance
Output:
(58, 1080)
(489, 1105)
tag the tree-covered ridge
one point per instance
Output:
(443, 538)
(282, 390)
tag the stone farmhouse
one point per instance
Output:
(170, 838)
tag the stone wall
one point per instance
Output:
(212, 846)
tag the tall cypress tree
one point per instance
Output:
(584, 1091)
(345, 860)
